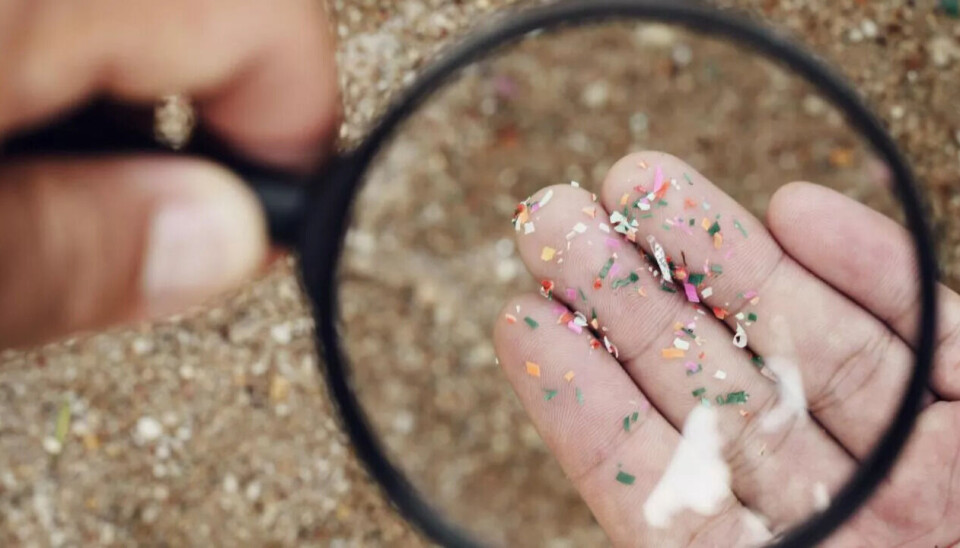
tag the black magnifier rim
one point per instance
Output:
(325, 231)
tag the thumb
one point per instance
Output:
(89, 243)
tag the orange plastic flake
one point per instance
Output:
(564, 318)
(672, 353)
(720, 313)
(642, 292)
(680, 273)
(594, 344)
(533, 369)
(705, 223)
(547, 253)
(568, 376)
(689, 204)
(717, 240)
(624, 198)
(632, 236)
(590, 211)
(510, 318)
(597, 283)
(642, 165)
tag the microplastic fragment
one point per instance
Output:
(510, 318)
(716, 269)
(681, 344)
(736, 397)
(623, 282)
(758, 362)
(687, 177)
(699, 392)
(606, 268)
(739, 227)
(625, 478)
(717, 240)
(575, 184)
(572, 326)
(528, 228)
(672, 353)
(604, 228)
(740, 339)
(547, 253)
(531, 322)
(624, 198)
(626, 423)
(707, 292)
(533, 369)
(657, 179)
(693, 368)
(582, 296)
(611, 348)
(568, 376)
(720, 374)
(667, 288)
(579, 394)
(546, 198)
(696, 279)
(579, 228)
(691, 292)
(661, 258)
(705, 224)
(549, 394)
(751, 317)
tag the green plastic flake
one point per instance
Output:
(739, 227)
(736, 397)
(634, 416)
(531, 322)
(714, 228)
(582, 296)
(687, 177)
(549, 394)
(699, 392)
(625, 281)
(606, 268)
(646, 216)
(705, 402)
(667, 288)
(758, 362)
(719, 400)
(752, 317)
(696, 279)
(663, 203)
(665, 226)
(699, 369)
(625, 478)
(593, 313)
(716, 269)
(579, 396)
(626, 423)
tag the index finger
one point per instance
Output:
(263, 71)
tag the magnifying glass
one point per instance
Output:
(410, 244)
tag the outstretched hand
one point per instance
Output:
(706, 380)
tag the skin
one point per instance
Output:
(848, 335)
(76, 236)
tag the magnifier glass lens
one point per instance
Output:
(690, 336)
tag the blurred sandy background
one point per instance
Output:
(214, 428)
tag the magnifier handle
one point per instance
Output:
(104, 127)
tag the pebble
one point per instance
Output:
(148, 430)
(52, 445)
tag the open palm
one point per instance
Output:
(783, 348)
